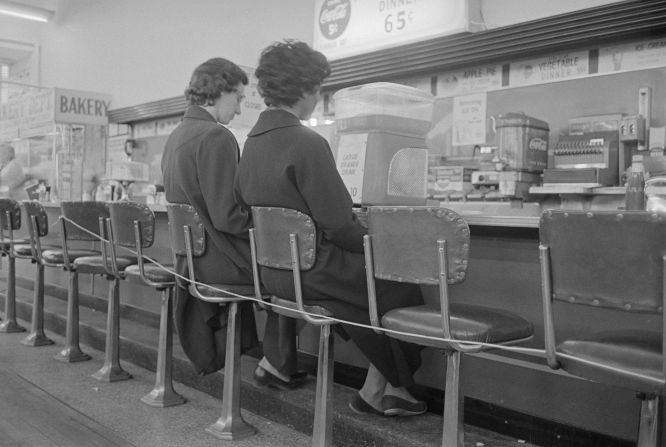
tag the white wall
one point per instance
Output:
(498, 13)
(144, 50)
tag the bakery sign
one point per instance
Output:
(74, 106)
(349, 27)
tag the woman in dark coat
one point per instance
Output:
(198, 166)
(286, 164)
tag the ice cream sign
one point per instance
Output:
(347, 27)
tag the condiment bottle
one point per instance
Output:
(635, 194)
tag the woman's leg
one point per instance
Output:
(373, 388)
(385, 398)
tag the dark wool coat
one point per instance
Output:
(286, 164)
(199, 163)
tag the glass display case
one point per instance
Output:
(59, 138)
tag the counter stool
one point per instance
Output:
(133, 226)
(10, 220)
(430, 246)
(86, 215)
(188, 239)
(112, 267)
(38, 227)
(286, 239)
(614, 262)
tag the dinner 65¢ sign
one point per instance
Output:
(348, 27)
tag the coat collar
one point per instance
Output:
(271, 119)
(198, 113)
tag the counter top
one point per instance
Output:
(156, 207)
(498, 214)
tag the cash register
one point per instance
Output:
(589, 159)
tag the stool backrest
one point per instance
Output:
(182, 215)
(11, 208)
(404, 243)
(611, 259)
(124, 215)
(272, 229)
(85, 214)
(35, 212)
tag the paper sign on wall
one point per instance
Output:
(469, 119)
(351, 163)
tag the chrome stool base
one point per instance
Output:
(238, 429)
(36, 339)
(163, 398)
(71, 355)
(11, 326)
(112, 373)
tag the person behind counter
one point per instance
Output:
(12, 177)
(198, 165)
(285, 164)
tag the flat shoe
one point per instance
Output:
(299, 375)
(396, 406)
(266, 379)
(359, 406)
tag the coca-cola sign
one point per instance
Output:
(350, 27)
(334, 18)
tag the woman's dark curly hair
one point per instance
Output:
(211, 78)
(287, 70)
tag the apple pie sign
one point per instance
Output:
(334, 18)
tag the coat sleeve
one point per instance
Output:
(327, 197)
(217, 162)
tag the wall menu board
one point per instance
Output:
(347, 27)
(556, 67)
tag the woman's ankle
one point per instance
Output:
(400, 392)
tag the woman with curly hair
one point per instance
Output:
(286, 164)
(199, 164)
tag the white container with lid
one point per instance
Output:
(384, 105)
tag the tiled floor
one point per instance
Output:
(116, 407)
(105, 414)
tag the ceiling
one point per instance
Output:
(13, 50)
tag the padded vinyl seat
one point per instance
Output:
(79, 224)
(430, 246)
(216, 290)
(293, 311)
(285, 239)
(6, 242)
(188, 239)
(57, 256)
(132, 226)
(97, 264)
(468, 323)
(639, 352)
(23, 250)
(10, 221)
(153, 273)
(613, 263)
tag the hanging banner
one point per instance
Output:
(347, 27)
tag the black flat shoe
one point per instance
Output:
(396, 406)
(266, 379)
(359, 406)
